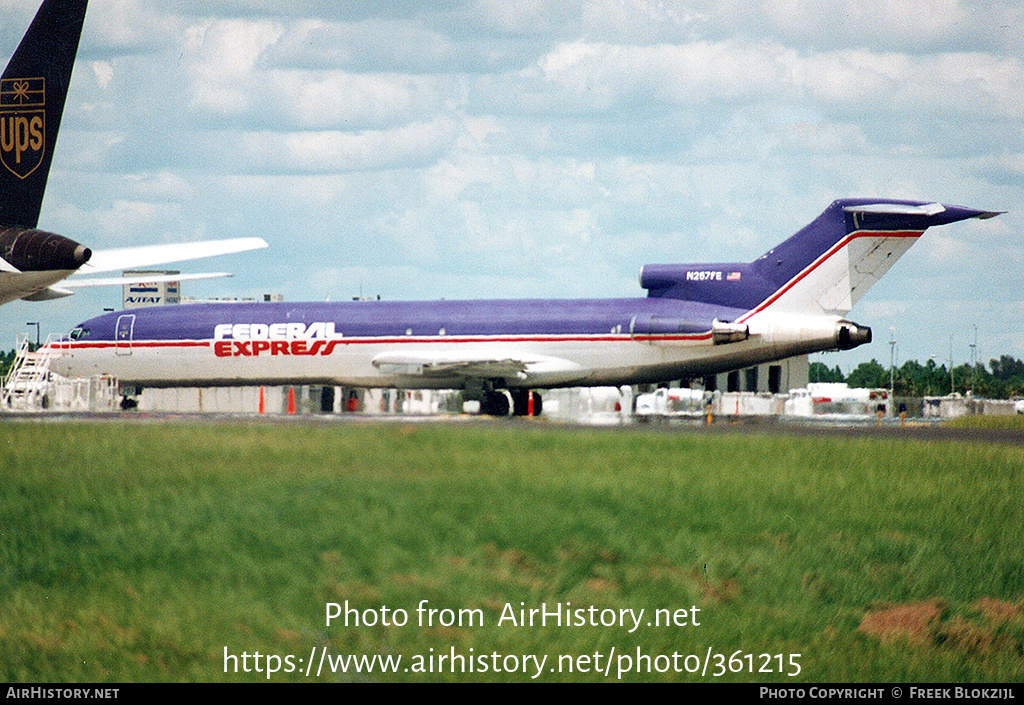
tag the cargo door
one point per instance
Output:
(123, 334)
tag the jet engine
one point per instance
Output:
(39, 251)
(849, 335)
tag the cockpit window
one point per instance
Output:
(79, 333)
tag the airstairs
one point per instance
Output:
(28, 381)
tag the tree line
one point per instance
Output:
(6, 360)
(1001, 379)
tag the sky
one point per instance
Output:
(506, 149)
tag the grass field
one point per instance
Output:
(140, 552)
(1013, 423)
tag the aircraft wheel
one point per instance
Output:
(497, 403)
(520, 402)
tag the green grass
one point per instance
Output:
(1013, 423)
(136, 552)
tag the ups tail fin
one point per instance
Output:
(32, 93)
(825, 268)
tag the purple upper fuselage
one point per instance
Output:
(681, 298)
(394, 319)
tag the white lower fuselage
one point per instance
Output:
(304, 355)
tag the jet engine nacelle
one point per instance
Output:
(31, 250)
(724, 332)
(797, 335)
(849, 335)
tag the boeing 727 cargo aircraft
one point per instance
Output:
(32, 95)
(696, 320)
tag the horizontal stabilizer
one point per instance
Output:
(927, 209)
(151, 255)
(897, 208)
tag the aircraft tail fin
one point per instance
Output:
(827, 267)
(824, 269)
(32, 94)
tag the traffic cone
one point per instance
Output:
(263, 403)
(291, 401)
(529, 403)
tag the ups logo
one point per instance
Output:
(22, 124)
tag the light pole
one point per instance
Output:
(951, 387)
(932, 358)
(974, 358)
(892, 364)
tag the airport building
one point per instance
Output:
(758, 390)
(166, 291)
(159, 293)
(770, 378)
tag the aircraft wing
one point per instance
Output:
(145, 256)
(470, 365)
(15, 284)
(67, 287)
(151, 255)
(139, 279)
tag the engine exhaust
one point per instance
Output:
(849, 335)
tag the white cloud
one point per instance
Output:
(124, 222)
(641, 21)
(222, 55)
(605, 74)
(523, 17)
(114, 27)
(822, 137)
(316, 100)
(163, 186)
(886, 23)
(368, 45)
(104, 73)
(416, 144)
(606, 77)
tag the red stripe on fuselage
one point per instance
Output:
(99, 344)
(392, 341)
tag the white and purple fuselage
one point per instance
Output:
(696, 320)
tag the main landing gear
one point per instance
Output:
(515, 402)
